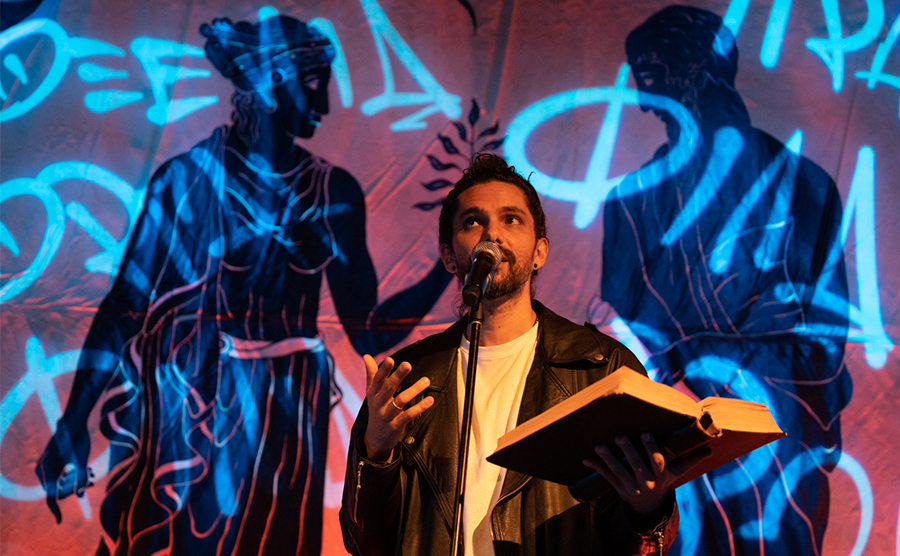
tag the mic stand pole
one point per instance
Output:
(476, 319)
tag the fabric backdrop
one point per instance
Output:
(96, 95)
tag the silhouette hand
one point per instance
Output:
(62, 468)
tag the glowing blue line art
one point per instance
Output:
(875, 73)
(776, 500)
(14, 65)
(65, 48)
(774, 33)
(7, 240)
(746, 386)
(861, 206)
(339, 69)
(767, 254)
(92, 73)
(866, 500)
(897, 534)
(52, 235)
(149, 51)
(624, 334)
(832, 49)
(733, 230)
(265, 13)
(690, 518)
(38, 380)
(589, 194)
(734, 15)
(41, 187)
(434, 95)
(727, 143)
(104, 101)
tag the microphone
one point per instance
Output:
(485, 260)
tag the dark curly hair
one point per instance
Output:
(489, 167)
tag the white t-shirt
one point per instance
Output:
(499, 386)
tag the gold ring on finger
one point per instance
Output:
(393, 403)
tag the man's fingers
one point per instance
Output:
(656, 459)
(409, 414)
(392, 382)
(615, 468)
(407, 395)
(638, 467)
(371, 373)
(602, 468)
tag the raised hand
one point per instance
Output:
(388, 415)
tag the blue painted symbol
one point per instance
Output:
(149, 51)
(589, 193)
(65, 48)
(39, 381)
(876, 73)
(437, 99)
(831, 50)
(41, 187)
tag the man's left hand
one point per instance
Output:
(641, 485)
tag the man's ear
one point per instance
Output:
(448, 258)
(541, 251)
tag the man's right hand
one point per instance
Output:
(388, 415)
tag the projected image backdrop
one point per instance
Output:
(210, 211)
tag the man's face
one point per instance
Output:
(496, 211)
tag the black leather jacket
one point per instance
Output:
(406, 506)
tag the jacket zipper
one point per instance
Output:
(359, 468)
(660, 533)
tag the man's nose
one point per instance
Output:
(491, 233)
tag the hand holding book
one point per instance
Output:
(642, 482)
(554, 444)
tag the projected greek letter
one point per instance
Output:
(589, 193)
(65, 48)
(42, 188)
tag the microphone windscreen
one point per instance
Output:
(491, 248)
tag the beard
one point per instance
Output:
(518, 277)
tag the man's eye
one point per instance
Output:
(513, 220)
(471, 222)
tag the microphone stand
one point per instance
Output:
(476, 319)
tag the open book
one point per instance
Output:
(553, 445)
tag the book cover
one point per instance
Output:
(553, 445)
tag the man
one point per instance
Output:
(218, 386)
(399, 490)
(719, 270)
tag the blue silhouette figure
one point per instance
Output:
(717, 270)
(215, 387)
